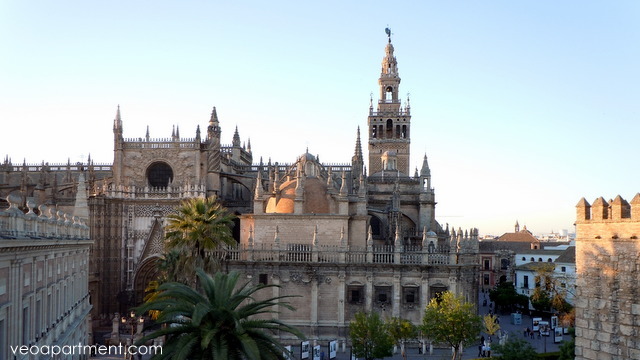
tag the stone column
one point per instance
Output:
(397, 296)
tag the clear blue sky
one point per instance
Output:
(523, 107)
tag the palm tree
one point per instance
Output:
(221, 322)
(200, 228)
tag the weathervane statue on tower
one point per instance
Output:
(388, 31)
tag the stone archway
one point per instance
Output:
(146, 272)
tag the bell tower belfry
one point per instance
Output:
(389, 125)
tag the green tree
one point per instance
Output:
(452, 321)
(568, 348)
(491, 325)
(515, 349)
(401, 330)
(223, 321)
(505, 297)
(370, 338)
(199, 229)
(548, 294)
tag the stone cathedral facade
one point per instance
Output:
(360, 236)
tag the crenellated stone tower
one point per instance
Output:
(608, 273)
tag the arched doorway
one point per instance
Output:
(147, 271)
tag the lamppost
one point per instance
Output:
(132, 321)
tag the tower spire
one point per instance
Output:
(236, 138)
(389, 126)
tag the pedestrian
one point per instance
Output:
(525, 332)
(532, 334)
(480, 350)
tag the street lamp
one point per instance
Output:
(132, 321)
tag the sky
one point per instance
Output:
(522, 107)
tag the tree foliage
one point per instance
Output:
(548, 294)
(401, 330)
(505, 297)
(452, 321)
(568, 348)
(223, 321)
(370, 337)
(197, 232)
(515, 348)
(491, 325)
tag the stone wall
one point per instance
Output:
(608, 274)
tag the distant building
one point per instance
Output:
(497, 257)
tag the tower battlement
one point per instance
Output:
(611, 219)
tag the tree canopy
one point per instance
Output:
(548, 294)
(506, 298)
(515, 348)
(197, 232)
(450, 320)
(222, 321)
(370, 337)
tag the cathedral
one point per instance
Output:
(343, 238)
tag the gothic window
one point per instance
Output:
(376, 228)
(355, 294)
(382, 296)
(159, 174)
(410, 295)
(263, 279)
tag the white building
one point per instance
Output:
(564, 262)
(44, 293)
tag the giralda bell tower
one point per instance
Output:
(389, 125)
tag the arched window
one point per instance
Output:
(404, 131)
(532, 259)
(397, 131)
(159, 174)
(524, 258)
(540, 259)
(373, 131)
(380, 131)
(388, 96)
(549, 260)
